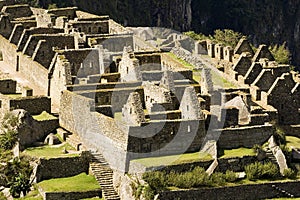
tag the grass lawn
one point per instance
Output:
(49, 151)
(232, 153)
(292, 141)
(79, 183)
(174, 159)
(44, 116)
(181, 61)
(216, 78)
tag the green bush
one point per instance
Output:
(262, 171)
(289, 173)
(230, 176)
(8, 139)
(196, 178)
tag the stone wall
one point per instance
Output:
(262, 191)
(17, 11)
(97, 131)
(43, 53)
(166, 137)
(61, 167)
(113, 43)
(72, 195)
(33, 105)
(116, 97)
(38, 30)
(244, 136)
(30, 70)
(8, 86)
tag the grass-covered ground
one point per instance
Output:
(44, 116)
(174, 159)
(216, 78)
(292, 141)
(32, 195)
(50, 151)
(240, 152)
(79, 183)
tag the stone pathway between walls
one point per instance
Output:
(104, 176)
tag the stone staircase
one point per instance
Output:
(270, 156)
(282, 193)
(104, 176)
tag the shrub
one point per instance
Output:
(261, 171)
(8, 139)
(217, 179)
(230, 176)
(289, 173)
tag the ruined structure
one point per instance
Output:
(125, 99)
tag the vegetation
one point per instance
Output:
(17, 173)
(240, 152)
(226, 37)
(79, 183)
(159, 181)
(281, 53)
(292, 141)
(289, 173)
(49, 151)
(32, 195)
(258, 170)
(174, 160)
(44, 116)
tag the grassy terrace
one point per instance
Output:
(292, 141)
(44, 116)
(79, 183)
(50, 151)
(240, 152)
(217, 79)
(174, 159)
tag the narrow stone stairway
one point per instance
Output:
(104, 176)
(282, 193)
(271, 156)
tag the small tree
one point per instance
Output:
(281, 53)
(227, 37)
(18, 173)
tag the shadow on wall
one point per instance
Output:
(1, 56)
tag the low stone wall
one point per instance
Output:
(49, 126)
(249, 192)
(235, 164)
(244, 136)
(61, 167)
(70, 195)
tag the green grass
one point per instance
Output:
(44, 116)
(292, 141)
(240, 152)
(174, 159)
(181, 61)
(79, 183)
(14, 96)
(49, 151)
